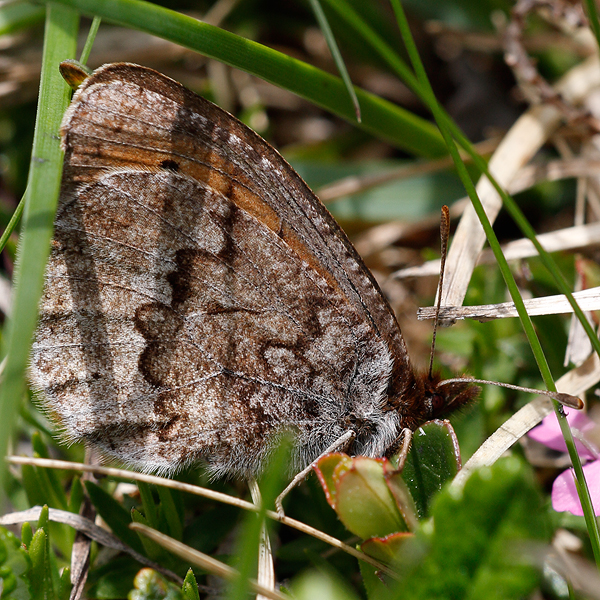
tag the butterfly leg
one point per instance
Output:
(339, 444)
(406, 440)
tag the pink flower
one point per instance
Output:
(548, 432)
(564, 492)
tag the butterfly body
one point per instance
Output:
(200, 299)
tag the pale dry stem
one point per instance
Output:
(206, 493)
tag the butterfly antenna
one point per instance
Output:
(444, 234)
(566, 399)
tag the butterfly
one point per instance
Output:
(200, 300)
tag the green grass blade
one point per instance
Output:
(345, 11)
(89, 42)
(116, 517)
(14, 220)
(150, 511)
(336, 54)
(15, 16)
(443, 123)
(60, 39)
(379, 117)
(170, 512)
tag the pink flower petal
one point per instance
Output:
(548, 431)
(564, 493)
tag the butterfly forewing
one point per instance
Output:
(199, 298)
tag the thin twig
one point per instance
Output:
(200, 491)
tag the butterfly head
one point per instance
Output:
(441, 398)
(428, 396)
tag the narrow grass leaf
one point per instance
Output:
(115, 516)
(60, 39)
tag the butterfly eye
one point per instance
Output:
(437, 403)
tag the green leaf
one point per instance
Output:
(379, 117)
(170, 511)
(386, 549)
(50, 484)
(365, 503)
(43, 487)
(402, 496)
(148, 504)
(433, 459)
(113, 579)
(336, 462)
(209, 528)
(475, 545)
(60, 42)
(335, 53)
(316, 584)
(270, 484)
(14, 567)
(40, 575)
(153, 550)
(15, 16)
(374, 584)
(190, 587)
(76, 496)
(65, 584)
(115, 516)
(151, 585)
(43, 519)
(26, 534)
(32, 486)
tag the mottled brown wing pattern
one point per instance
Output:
(199, 298)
